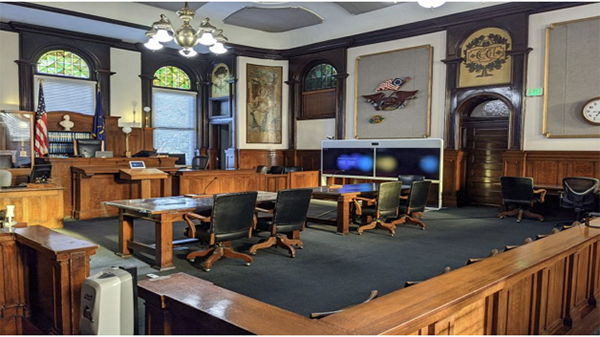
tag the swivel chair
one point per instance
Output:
(200, 162)
(5, 178)
(262, 169)
(277, 170)
(412, 206)
(232, 218)
(382, 209)
(289, 215)
(579, 195)
(519, 192)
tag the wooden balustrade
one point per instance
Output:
(550, 286)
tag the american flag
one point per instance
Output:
(393, 84)
(41, 126)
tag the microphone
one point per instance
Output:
(333, 178)
(209, 183)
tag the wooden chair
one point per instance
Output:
(289, 215)
(494, 252)
(509, 247)
(412, 283)
(519, 192)
(412, 206)
(232, 218)
(381, 209)
(317, 315)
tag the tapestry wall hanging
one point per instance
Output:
(572, 79)
(219, 86)
(486, 58)
(393, 94)
(263, 104)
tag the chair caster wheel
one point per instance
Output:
(391, 234)
(293, 255)
(247, 264)
(192, 260)
(206, 270)
(501, 217)
(518, 221)
(422, 228)
(253, 254)
(359, 233)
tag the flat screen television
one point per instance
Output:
(40, 173)
(87, 147)
(347, 161)
(180, 158)
(392, 162)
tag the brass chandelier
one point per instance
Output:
(186, 36)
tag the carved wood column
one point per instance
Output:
(340, 107)
(26, 88)
(103, 78)
(452, 65)
(147, 99)
(294, 106)
(202, 120)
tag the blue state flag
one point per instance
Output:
(99, 128)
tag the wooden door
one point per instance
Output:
(485, 140)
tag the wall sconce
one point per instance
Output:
(127, 131)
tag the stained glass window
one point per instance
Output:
(320, 77)
(495, 108)
(171, 77)
(63, 63)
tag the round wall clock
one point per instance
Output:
(591, 111)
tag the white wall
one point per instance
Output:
(241, 104)
(534, 139)
(9, 71)
(310, 133)
(438, 41)
(126, 86)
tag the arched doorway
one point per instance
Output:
(484, 133)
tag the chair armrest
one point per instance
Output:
(403, 197)
(365, 199)
(542, 193)
(191, 225)
(258, 209)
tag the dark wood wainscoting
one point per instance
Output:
(310, 160)
(250, 159)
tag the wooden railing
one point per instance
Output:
(550, 286)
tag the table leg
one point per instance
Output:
(146, 188)
(343, 214)
(164, 243)
(125, 233)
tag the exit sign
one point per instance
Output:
(535, 92)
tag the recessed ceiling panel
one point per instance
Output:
(273, 20)
(174, 6)
(364, 7)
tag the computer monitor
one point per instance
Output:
(180, 158)
(40, 173)
(87, 147)
(6, 161)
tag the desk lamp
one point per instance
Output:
(127, 131)
(9, 216)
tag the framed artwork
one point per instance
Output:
(263, 104)
(219, 86)
(486, 58)
(393, 94)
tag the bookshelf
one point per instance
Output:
(60, 143)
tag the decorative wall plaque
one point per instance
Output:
(263, 104)
(486, 58)
(219, 77)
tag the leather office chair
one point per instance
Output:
(5, 178)
(277, 170)
(200, 162)
(519, 192)
(373, 295)
(262, 169)
(289, 169)
(382, 209)
(289, 215)
(579, 195)
(232, 218)
(407, 179)
(412, 206)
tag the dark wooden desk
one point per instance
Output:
(343, 195)
(163, 212)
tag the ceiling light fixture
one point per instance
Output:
(431, 3)
(186, 36)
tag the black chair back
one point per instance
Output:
(277, 170)
(387, 199)
(291, 209)
(579, 192)
(417, 199)
(517, 190)
(289, 169)
(262, 169)
(200, 162)
(232, 215)
(407, 179)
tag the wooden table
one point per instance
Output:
(163, 212)
(37, 204)
(145, 177)
(343, 194)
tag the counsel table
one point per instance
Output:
(343, 195)
(163, 212)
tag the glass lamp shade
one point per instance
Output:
(153, 44)
(162, 35)
(126, 130)
(218, 48)
(207, 39)
(188, 52)
(431, 3)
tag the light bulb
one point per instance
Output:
(431, 3)
(188, 52)
(153, 44)
(218, 48)
(162, 35)
(207, 39)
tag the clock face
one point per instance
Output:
(591, 111)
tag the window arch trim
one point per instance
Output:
(86, 69)
(176, 80)
(330, 77)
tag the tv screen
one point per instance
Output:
(348, 161)
(392, 162)
(88, 147)
(40, 173)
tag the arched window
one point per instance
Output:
(67, 82)
(320, 77)
(319, 92)
(174, 112)
(171, 77)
